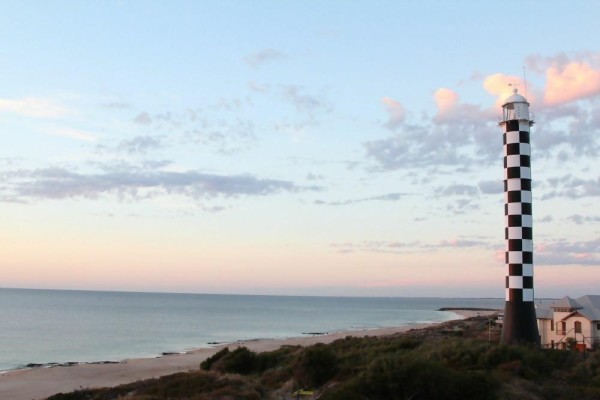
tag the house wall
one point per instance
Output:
(589, 330)
(544, 329)
(586, 330)
(596, 333)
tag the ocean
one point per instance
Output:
(60, 326)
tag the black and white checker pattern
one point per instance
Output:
(517, 210)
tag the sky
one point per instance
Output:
(293, 147)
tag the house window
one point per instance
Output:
(552, 325)
(577, 327)
(598, 326)
(561, 328)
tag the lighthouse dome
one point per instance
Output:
(515, 98)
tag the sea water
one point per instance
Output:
(57, 326)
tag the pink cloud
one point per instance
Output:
(499, 255)
(445, 99)
(502, 86)
(573, 81)
(396, 112)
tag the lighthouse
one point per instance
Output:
(520, 324)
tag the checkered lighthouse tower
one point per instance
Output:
(520, 325)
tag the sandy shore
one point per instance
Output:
(39, 383)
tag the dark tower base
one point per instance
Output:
(520, 324)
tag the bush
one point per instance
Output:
(316, 365)
(414, 377)
(208, 363)
(275, 358)
(239, 361)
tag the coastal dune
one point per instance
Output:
(39, 383)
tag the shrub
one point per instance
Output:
(316, 365)
(208, 363)
(239, 361)
(412, 376)
(275, 358)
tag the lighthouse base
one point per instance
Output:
(520, 324)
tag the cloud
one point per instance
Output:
(303, 102)
(457, 190)
(465, 136)
(259, 58)
(137, 183)
(116, 105)
(572, 187)
(213, 128)
(457, 136)
(396, 113)
(462, 243)
(462, 206)
(419, 146)
(384, 197)
(416, 246)
(296, 130)
(143, 119)
(33, 107)
(445, 100)
(573, 81)
(580, 219)
(225, 136)
(501, 86)
(491, 187)
(73, 134)
(314, 177)
(539, 64)
(259, 88)
(563, 252)
(141, 144)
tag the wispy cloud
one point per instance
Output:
(143, 119)
(135, 183)
(304, 102)
(259, 58)
(572, 187)
(563, 252)
(33, 107)
(141, 144)
(419, 146)
(415, 246)
(462, 206)
(584, 219)
(225, 136)
(384, 197)
(457, 190)
(73, 134)
(209, 128)
(116, 105)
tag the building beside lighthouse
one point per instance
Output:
(519, 325)
(570, 322)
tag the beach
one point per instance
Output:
(39, 383)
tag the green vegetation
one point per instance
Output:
(452, 361)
